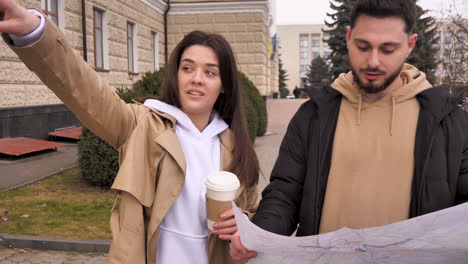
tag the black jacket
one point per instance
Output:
(298, 181)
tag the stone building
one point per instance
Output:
(300, 44)
(121, 40)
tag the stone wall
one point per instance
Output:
(248, 34)
(35, 121)
(20, 87)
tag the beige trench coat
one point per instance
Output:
(152, 164)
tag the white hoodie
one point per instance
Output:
(184, 234)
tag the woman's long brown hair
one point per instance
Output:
(229, 103)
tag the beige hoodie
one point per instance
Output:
(369, 182)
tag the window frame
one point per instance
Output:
(59, 15)
(154, 50)
(131, 37)
(101, 29)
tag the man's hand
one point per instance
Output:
(239, 253)
(16, 19)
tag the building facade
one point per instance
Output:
(299, 45)
(121, 40)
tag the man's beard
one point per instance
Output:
(371, 88)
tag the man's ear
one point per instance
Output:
(348, 34)
(412, 42)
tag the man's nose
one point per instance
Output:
(374, 59)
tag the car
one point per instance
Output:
(290, 97)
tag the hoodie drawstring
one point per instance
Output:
(358, 121)
(393, 115)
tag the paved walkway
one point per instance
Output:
(18, 172)
(279, 113)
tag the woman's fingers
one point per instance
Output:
(227, 214)
(227, 226)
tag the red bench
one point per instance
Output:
(23, 145)
(73, 133)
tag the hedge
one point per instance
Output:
(258, 103)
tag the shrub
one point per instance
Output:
(99, 162)
(250, 116)
(151, 84)
(252, 94)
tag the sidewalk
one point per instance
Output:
(279, 113)
(19, 172)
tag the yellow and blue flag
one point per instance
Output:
(273, 47)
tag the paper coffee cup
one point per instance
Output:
(221, 189)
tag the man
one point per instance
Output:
(296, 92)
(380, 145)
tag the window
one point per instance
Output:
(315, 54)
(460, 40)
(131, 48)
(458, 57)
(315, 41)
(98, 40)
(304, 49)
(54, 9)
(154, 51)
(446, 59)
(101, 46)
(447, 39)
(304, 41)
(436, 44)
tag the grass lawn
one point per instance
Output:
(59, 206)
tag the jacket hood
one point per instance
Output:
(214, 128)
(414, 82)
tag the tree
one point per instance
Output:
(424, 53)
(455, 51)
(283, 77)
(337, 35)
(318, 73)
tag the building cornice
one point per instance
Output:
(158, 5)
(222, 8)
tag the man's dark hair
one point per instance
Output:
(405, 9)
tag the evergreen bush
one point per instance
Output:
(251, 117)
(99, 162)
(252, 94)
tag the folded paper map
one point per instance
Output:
(439, 237)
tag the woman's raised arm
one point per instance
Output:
(53, 59)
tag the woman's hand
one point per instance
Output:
(226, 228)
(16, 19)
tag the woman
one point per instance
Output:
(167, 147)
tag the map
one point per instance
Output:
(439, 237)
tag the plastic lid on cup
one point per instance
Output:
(222, 181)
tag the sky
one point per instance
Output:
(290, 12)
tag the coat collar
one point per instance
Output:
(170, 142)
